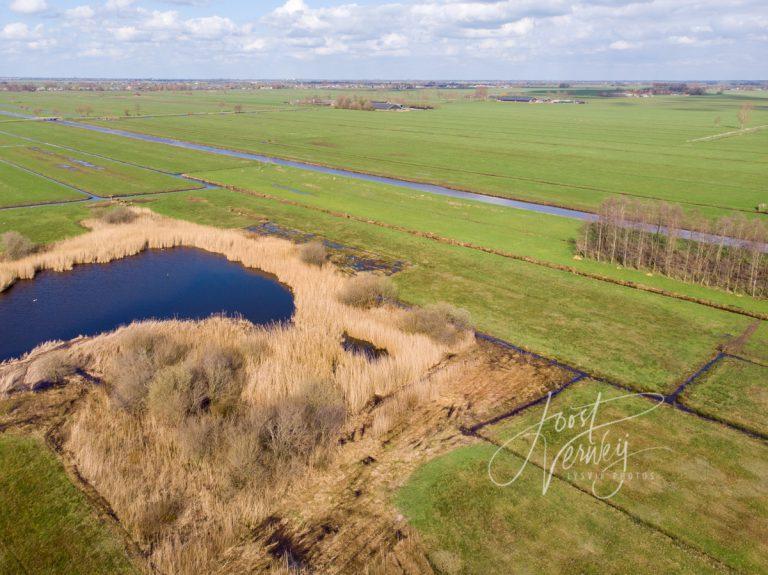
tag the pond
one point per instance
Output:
(183, 283)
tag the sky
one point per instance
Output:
(384, 39)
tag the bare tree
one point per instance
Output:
(481, 93)
(745, 113)
(650, 236)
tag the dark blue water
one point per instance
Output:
(182, 283)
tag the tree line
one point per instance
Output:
(651, 236)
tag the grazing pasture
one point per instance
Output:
(95, 175)
(46, 224)
(47, 508)
(568, 155)
(544, 238)
(680, 467)
(470, 525)
(19, 187)
(146, 154)
(735, 391)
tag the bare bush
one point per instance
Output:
(132, 368)
(51, 369)
(118, 215)
(175, 393)
(198, 436)
(158, 516)
(367, 291)
(442, 322)
(16, 246)
(313, 253)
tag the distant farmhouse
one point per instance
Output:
(532, 100)
(380, 105)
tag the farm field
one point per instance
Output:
(46, 224)
(48, 508)
(178, 102)
(734, 391)
(701, 505)
(19, 187)
(520, 233)
(567, 155)
(756, 347)
(452, 504)
(91, 174)
(145, 154)
(677, 461)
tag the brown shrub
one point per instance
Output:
(158, 515)
(442, 322)
(118, 215)
(51, 369)
(368, 290)
(16, 246)
(298, 426)
(199, 436)
(176, 392)
(313, 253)
(141, 354)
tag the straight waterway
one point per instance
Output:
(421, 187)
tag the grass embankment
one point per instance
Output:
(46, 524)
(733, 391)
(92, 174)
(19, 188)
(691, 469)
(756, 347)
(470, 525)
(156, 156)
(517, 233)
(638, 338)
(560, 154)
(46, 224)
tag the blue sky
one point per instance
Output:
(386, 39)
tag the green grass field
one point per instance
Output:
(19, 187)
(561, 154)
(46, 224)
(546, 238)
(46, 524)
(147, 154)
(756, 347)
(735, 391)
(92, 174)
(706, 485)
(473, 526)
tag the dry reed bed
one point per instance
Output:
(190, 484)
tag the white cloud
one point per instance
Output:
(683, 40)
(84, 12)
(126, 33)
(118, 4)
(19, 31)
(255, 45)
(623, 45)
(29, 6)
(438, 36)
(210, 27)
(163, 20)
